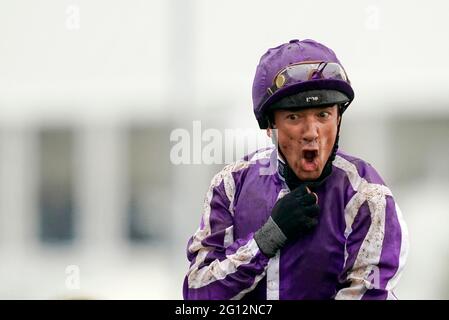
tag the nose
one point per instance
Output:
(311, 131)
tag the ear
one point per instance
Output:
(340, 113)
(269, 132)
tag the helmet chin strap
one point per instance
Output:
(292, 179)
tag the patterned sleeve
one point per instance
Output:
(222, 267)
(376, 239)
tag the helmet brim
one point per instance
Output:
(308, 94)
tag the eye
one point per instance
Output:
(292, 116)
(324, 114)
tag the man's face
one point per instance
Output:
(306, 138)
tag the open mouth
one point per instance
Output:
(310, 155)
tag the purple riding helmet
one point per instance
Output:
(299, 74)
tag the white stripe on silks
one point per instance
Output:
(273, 266)
(228, 179)
(370, 250)
(357, 182)
(354, 292)
(404, 250)
(261, 155)
(218, 270)
(391, 296)
(229, 186)
(350, 169)
(256, 281)
(229, 183)
(351, 210)
(369, 253)
(201, 234)
(229, 236)
(198, 278)
(273, 278)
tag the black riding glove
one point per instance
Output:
(293, 216)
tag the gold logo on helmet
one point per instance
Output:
(280, 80)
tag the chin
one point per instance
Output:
(309, 175)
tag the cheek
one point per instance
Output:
(330, 137)
(286, 140)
